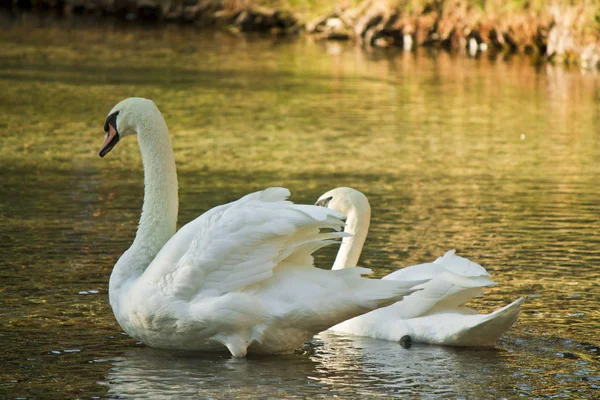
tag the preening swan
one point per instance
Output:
(436, 314)
(241, 275)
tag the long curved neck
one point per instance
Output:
(357, 224)
(159, 212)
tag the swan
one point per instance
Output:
(434, 315)
(241, 275)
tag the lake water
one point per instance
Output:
(495, 157)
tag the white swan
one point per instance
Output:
(241, 275)
(433, 315)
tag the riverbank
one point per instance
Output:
(557, 31)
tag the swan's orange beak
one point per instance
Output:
(110, 139)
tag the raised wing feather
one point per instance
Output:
(460, 265)
(239, 244)
(454, 281)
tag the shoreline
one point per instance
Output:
(560, 33)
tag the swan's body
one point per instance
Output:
(434, 315)
(241, 275)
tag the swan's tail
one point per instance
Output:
(488, 330)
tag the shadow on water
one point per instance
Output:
(76, 74)
(15, 69)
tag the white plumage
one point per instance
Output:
(436, 314)
(241, 275)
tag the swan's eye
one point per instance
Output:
(324, 202)
(111, 120)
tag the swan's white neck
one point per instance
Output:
(357, 224)
(159, 212)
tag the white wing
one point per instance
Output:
(454, 281)
(238, 244)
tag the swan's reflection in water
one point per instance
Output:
(338, 366)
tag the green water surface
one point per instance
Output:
(496, 158)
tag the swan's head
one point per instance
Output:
(344, 200)
(122, 121)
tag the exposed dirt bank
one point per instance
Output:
(561, 31)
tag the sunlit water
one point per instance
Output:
(496, 158)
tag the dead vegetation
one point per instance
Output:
(562, 31)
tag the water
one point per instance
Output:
(496, 158)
